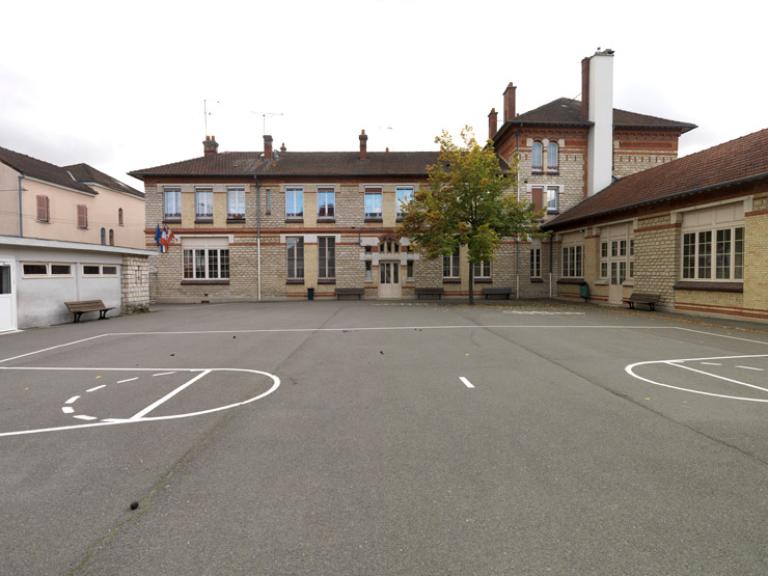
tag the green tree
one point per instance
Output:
(467, 203)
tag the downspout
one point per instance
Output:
(551, 255)
(517, 236)
(258, 239)
(21, 207)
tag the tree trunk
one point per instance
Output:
(471, 283)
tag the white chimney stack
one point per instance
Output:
(600, 113)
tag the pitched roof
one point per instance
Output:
(41, 170)
(567, 112)
(86, 174)
(735, 162)
(297, 164)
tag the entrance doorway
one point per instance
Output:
(389, 280)
(7, 298)
(618, 268)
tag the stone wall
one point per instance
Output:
(657, 257)
(134, 284)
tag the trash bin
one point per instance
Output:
(310, 293)
(584, 291)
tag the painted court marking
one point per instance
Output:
(680, 363)
(466, 382)
(127, 380)
(750, 368)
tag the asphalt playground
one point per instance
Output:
(371, 438)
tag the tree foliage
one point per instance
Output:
(468, 202)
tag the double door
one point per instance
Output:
(389, 280)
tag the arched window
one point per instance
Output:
(553, 160)
(111, 237)
(103, 236)
(120, 221)
(537, 156)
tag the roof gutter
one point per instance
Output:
(691, 192)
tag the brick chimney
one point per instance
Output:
(282, 147)
(267, 146)
(210, 146)
(493, 123)
(509, 102)
(363, 145)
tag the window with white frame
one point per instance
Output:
(404, 196)
(536, 262)
(172, 203)
(713, 244)
(553, 199)
(295, 249)
(204, 203)
(373, 203)
(572, 261)
(409, 270)
(482, 269)
(553, 160)
(617, 254)
(451, 265)
(294, 203)
(326, 203)
(236, 202)
(99, 270)
(537, 156)
(206, 263)
(326, 251)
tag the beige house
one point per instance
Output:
(67, 233)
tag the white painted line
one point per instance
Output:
(127, 380)
(54, 347)
(712, 363)
(67, 409)
(163, 374)
(72, 400)
(140, 414)
(99, 387)
(84, 417)
(750, 368)
(466, 382)
(683, 366)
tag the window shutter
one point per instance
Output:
(82, 216)
(42, 208)
(538, 197)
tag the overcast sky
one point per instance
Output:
(121, 85)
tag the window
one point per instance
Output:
(404, 196)
(35, 269)
(99, 270)
(553, 199)
(326, 203)
(535, 262)
(409, 270)
(82, 216)
(236, 203)
(103, 236)
(43, 205)
(537, 193)
(269, 202)
(111, 237)
(482, 269)
(89, 270)
(206, 263)
(373, 204)
(451, 265)
(294, 203)
(120, 221)
(604, 259)
(204, 204)
(617, 254)
(109, 270)
(172, 203)
(552, 157)
(572, 261)
(295, 258)
(61, 270)
(537, 157)
(727, 245)
(368, 271)
(327, 257)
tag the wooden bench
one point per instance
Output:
(81, 306)
(500, 293)
(429, 293)
(342, 293)
(649, 300)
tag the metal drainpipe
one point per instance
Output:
(551, 254)
(258, 240)
(21, 207)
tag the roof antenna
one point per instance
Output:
(264, 119)
(206, 114)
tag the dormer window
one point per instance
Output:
(537, 157)
(553, 160)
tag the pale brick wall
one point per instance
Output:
(756, 256)
(657, 257)
(134, 283)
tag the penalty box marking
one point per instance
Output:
(141, 416)
(678, 363)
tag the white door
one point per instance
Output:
(389, 280)
(7, 297)
(618, 273)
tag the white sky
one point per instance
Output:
(121, 85)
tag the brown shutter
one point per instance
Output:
(82, 216)
(42, 208)
(538, 197)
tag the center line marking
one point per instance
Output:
(750, 368)
(466, 382)
(127, 380)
